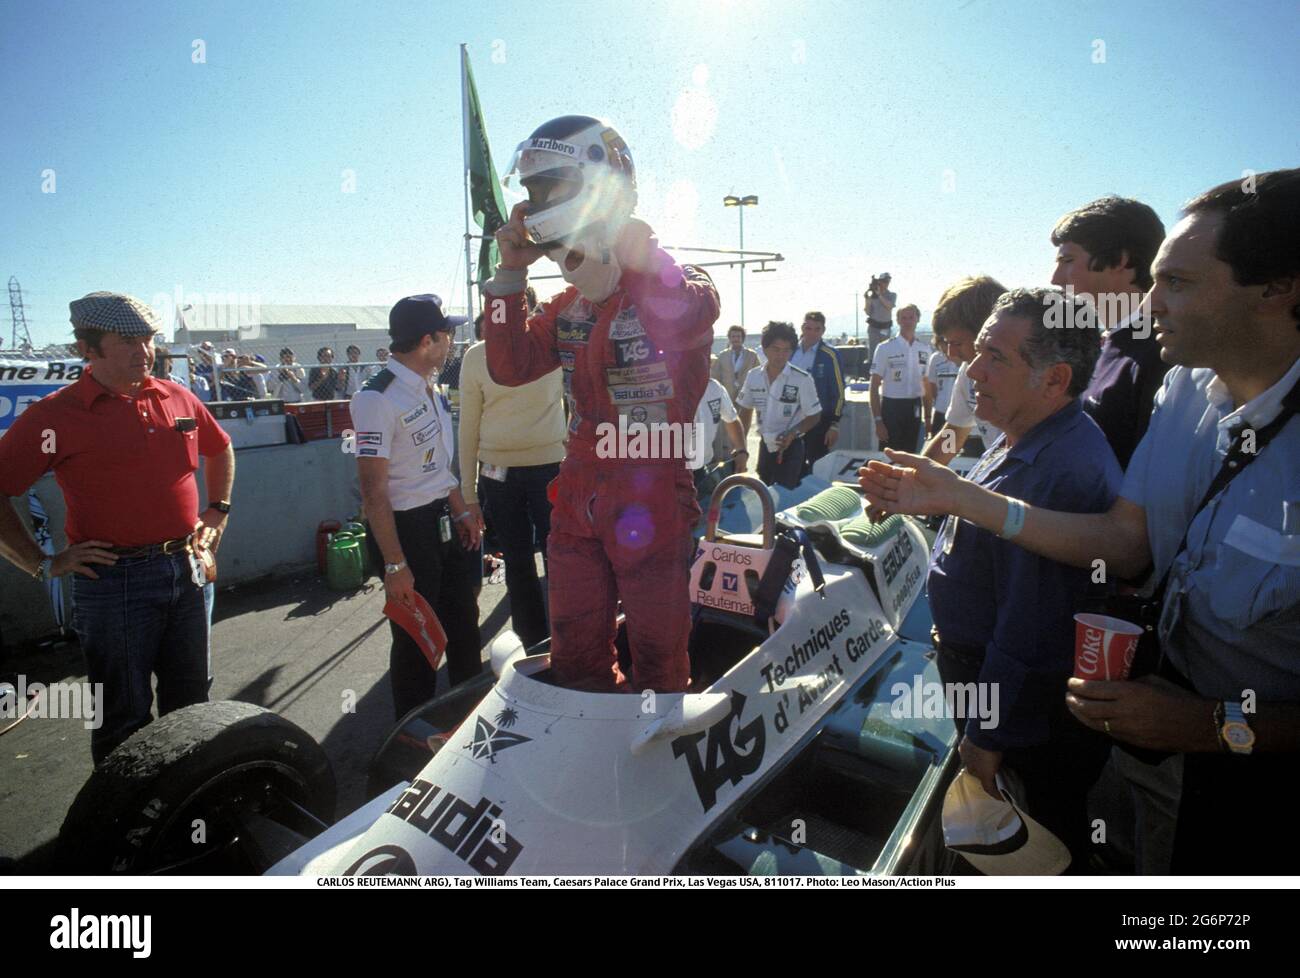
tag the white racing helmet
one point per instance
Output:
(576, 172)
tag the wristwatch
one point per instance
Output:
(394, 568)
(1235, 734)
(221, 507)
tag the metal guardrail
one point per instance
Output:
(369, 367)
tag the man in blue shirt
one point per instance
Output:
(1003, 616)
(820, 360)
(1226, 306)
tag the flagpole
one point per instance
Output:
(464, 176)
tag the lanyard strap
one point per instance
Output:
(1233, 465)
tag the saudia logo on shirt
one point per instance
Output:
(411, 417)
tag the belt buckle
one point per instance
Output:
(175, 546)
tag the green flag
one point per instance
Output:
(486, 203)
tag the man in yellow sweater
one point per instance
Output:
(512, 438)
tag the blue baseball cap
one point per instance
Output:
(413, 317)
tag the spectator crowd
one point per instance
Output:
(231, 375)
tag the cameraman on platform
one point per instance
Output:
(879, 305)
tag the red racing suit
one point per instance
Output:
(621, 527)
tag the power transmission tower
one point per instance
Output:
(22, 339)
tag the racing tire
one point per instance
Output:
(215, 761)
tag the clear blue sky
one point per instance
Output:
(226, 177)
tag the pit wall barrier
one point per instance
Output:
(281, 493)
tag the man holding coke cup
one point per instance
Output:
(1211, 501)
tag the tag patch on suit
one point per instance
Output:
(630, 353)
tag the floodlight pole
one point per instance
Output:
(740, 203)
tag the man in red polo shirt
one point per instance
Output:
(124, 447)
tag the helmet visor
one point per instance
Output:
(529, 162)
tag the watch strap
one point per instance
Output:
(1234, 720)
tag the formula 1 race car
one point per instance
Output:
(801, 749)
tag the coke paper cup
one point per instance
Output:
(1104, 647)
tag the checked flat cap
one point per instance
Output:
(114, 313)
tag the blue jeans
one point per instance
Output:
(142, 617)
(521, 519)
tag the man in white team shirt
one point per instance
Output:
(940, 373)
(787, 403)
(716, 409)
(961, 311)
(420, 527)
(897, 389)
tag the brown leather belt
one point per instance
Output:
(155, 549)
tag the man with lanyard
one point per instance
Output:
(899, 367)
(788, 408)
(632, 334)
(124, 447)
(419, 523)
(822, 362)
(1104, 253)
(1225, 702)
(732, 364)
